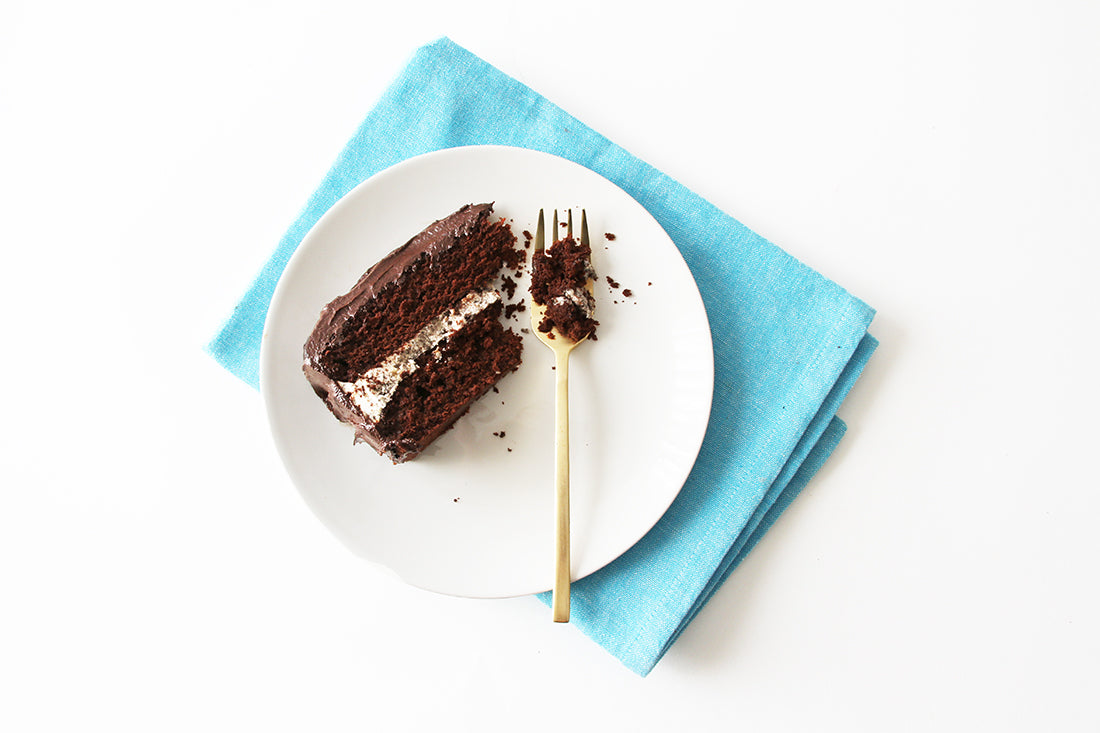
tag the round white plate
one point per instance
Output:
(474, 514)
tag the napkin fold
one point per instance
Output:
(788, 343)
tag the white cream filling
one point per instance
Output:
(374, 389)
(580, 298)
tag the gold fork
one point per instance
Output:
(562, 346)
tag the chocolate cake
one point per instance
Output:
(419, 338)
(559, 278)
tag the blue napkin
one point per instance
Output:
(788, 343)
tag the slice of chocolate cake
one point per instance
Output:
(405, 352)
(559, 279)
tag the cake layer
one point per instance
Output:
(449, 379)
(435, 382)
(372, 391)
(396, 297)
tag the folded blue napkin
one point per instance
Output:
(788, 343)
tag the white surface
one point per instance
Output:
(158, 571)
(474, 514)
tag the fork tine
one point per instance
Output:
(584, 229)
(554, 231)
(540, 234)
(569, 227)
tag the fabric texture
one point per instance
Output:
(788, 343)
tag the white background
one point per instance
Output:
(939, 159)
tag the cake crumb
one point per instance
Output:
(509, 450)
(497, 391)
(455, 500)
(514, 257)
(611, 282)
(610, 237)
(628, 292)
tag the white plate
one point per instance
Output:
(470, 517)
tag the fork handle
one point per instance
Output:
(561, 488)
